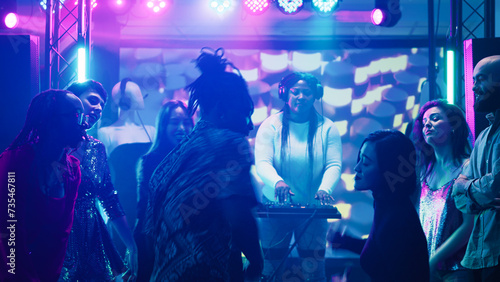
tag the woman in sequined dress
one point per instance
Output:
(173, 124)
(91, 255)
(440, 136)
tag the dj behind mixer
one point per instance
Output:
(275, 209)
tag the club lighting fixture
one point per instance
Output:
(157, 5)
(256, 7)
(290, 7)
(220, 5)
(11, 20)
(325, 7)
(377, 16)
(387, 13)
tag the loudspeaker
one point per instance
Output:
(474, 51)
(19, 80)
(283, 89)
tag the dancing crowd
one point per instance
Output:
(185, 208)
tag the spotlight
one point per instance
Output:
(11, 20)
(121, 6)
(290, 7)
(93, 3)
(43, 4)
(8, 15)
(389, 13)
(220, 5)
(256, 7)
(377, 16)
(325, 7)
(157, 5)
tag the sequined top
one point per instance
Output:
(440, 218)
(91, 253)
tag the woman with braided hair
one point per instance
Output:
(201, 195)
(298, 155)
(43, 180)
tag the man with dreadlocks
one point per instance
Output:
(201, 194)
(39, 183)
(298, 155)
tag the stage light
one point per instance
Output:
(386, 13)
(11, 20)
(119, 2)
(256, 7)
(82, 76)
(325, 7)
(450, 76)
(290, 7)
(220, 5)
(377, 16)
(157, 5)
(43, 4)
(8, 16)
(93, 4)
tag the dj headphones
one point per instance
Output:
(125, 102)
(283, 89)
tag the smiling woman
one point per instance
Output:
(91, 255)
(298, 155)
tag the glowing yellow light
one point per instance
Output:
(398, 120)
(410, 102)
(341, 127)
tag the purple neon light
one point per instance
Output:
(353, 16)
(257, 6)
(469, 83)
(377, 16)
(11, 20)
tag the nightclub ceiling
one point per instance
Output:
(195, 20)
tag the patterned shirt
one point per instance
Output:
(192, 237)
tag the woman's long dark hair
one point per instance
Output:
(42, 108)
(161, 143)
(460, 133)
(396, 159)
(288, 82)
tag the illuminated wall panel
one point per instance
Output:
(365, 90)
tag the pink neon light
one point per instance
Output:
(353, 16)
(377, 16)
(257, 6)
(11, 20)
(469, 83)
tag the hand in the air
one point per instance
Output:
(282, 192)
